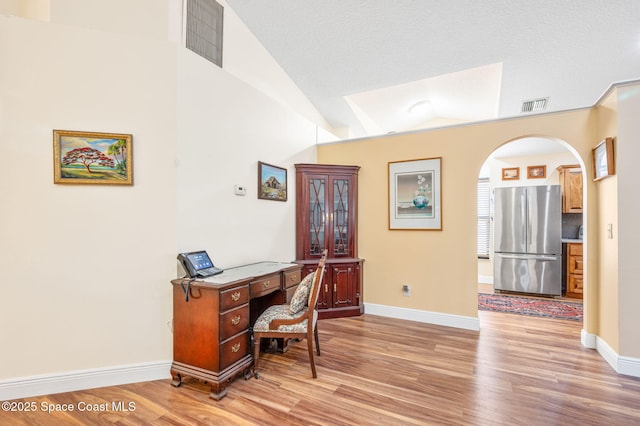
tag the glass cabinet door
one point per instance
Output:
(317, 215)
(340, 216)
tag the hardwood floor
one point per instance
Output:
(373, 370)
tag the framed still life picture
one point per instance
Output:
(603, 164)
(511, 173)
(415, 194)
(536, 172)
(92, 158)
(272, 182)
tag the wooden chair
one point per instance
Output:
(297, 320)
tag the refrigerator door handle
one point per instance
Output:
(527, 256)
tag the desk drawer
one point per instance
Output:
(234, 349)
(290, 292)
(234, 297)
(292, 278)
(266, 285)
(234, 321)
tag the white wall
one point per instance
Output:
(225, 128)
(86, 268)
(628, 176)
(247, 59)
(552, 161)
(147, 18)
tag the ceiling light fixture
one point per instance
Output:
(420, 107)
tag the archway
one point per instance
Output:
(530, 160)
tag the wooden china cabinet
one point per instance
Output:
(326, 218)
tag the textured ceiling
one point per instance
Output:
(570, 51)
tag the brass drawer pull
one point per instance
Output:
(235, 320)
(235, 296)
(266, 284)
(235, 348)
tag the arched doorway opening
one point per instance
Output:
(534, 161)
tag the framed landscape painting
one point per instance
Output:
(92, 158)
(272, 182)
(414, 194)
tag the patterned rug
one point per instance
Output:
(537, 307)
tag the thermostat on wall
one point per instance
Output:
(240, 190)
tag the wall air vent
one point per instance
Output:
(534, 105)
(204, 29)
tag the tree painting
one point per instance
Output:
(83, 157)
(116, 149)
(87, 157)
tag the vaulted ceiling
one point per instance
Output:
(380, 66)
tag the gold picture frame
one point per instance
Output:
(92, 158)
(511, 173)
(536, 172)
(603, 160)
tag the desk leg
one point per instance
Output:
(218, 392)
(177, 378)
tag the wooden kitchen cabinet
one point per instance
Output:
(574, 270)
(326, 218)
(571, 183)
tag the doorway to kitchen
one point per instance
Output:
(532, 161)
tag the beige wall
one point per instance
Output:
(440, 266)
(603, 261)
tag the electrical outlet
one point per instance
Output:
(405, 290)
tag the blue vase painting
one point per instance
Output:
(420, 200)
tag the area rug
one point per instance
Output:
(537, 307)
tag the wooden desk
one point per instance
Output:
(212, 318)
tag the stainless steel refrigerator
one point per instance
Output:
(527, 239)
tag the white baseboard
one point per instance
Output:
(449, 320)
(621, 364)
(26, 387)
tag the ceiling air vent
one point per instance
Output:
(534, 105)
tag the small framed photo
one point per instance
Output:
(415, 194)
(511, 173)
(536, 172)
(272, 182)
(92, 158)
(603, 164)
